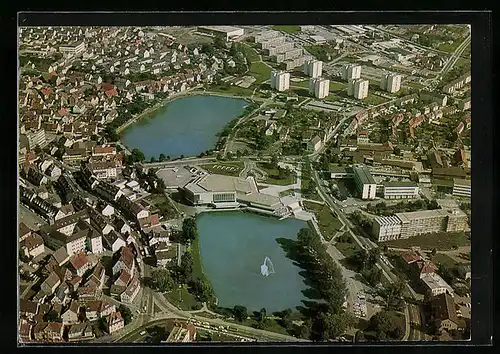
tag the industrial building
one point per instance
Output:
(351, 72)
(358, 88)
(365, 183)
(391, 83)
(461, 187)
(280, 80)
(228, 31)
(419, 222)
(319, 87)
(400, 190)
(313, 68)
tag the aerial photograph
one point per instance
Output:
(267, 183)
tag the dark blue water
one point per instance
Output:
(186, 126)
(233, 246)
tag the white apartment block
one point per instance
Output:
(313, 68)
(365, 183)
(387, 228)
(319, 87)
(351, 72)
(391, 83)
(36, 138)
(358, 88)
(76, 245)
(400, 190)
(461, 187)
(73, 49)
(280, 80)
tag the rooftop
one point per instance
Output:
(364, 175)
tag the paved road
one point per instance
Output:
(180, 162)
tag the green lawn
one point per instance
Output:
(225, 168)
(206, 314)
(347, 249)
(232, 89)
(327, 222)
(182, 298)
(441, 258)
(273, 176)
(301, 91)
(447, 47)
(251, 53)
(337, 86)
(303, 83)
(414, 84)
(442, 241)
(287, 29)
(271, 325)
(261, 72)
(167, 210)
(374, 99)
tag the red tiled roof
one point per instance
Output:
(79, 261)
(111, 93)
(410, 257)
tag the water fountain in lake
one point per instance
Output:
(267, 267)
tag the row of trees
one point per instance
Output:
(365, 261)
(328, 319)
(383, 209)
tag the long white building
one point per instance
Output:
(313, 68)
(351, 71)
(391, 83)
(319, 87)
(280, 80)
(400, 190)
(358, 88)
(365, 183)
(461, 187)
(387, 228)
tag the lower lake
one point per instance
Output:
(185, 126)
(234, 245)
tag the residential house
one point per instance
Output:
(80, 332)
(181, 332)
(61, 296)
(105, 209)
(97, 277)
(60, 256)
(87, 292)
(444, 313)
(48, 332)
(114, 241)
(74, 283)
(115, 322)
(24, 231)
(25, 328)
(126, 261)
(28, 309)
(50, 284)
(33, 245)
(81, 263)
(132, 290)
(123, 279)
(122, 226)
(70, 316)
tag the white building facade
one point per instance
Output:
(391, 83)
(280, 80)
(319, 87)
(313, 68)
(358, 88)
(351, 72)
(387, 228)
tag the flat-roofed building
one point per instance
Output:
(280, 80)
(73, 48)
(387, 228)
(313, 68)
(341, 172)
(229, 32)
(319, 87)
(429, 221)
(400, 190)
(461, 187)
(391, 83)
(365, 183)
(358, 88)
(351, 71)
(436, 285)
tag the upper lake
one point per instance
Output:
(185, 126)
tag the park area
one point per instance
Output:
(225, 168)
(287, 29)
(347, 245)
(282, 177)
(441, 241)
(327, 222)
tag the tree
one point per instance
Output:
(102, 325)
(137, 155)
(186, 266)
(433, 252)
(262, 314)
(433, 205)
(202, 288)
(446, 273)
(386, 248)
(52, 316)
(274, 161)
(161, 280)
(153, 159)
(306, 329)
(162, 157)
(126, 313)
(240, 313)
(38, 149)
(189, 231)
